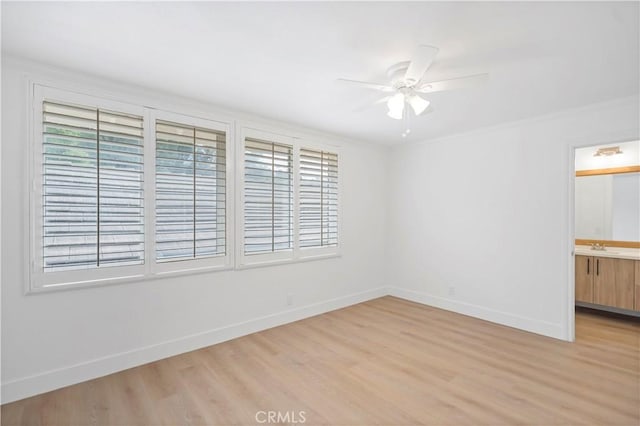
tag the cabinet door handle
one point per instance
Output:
(588, 266)
(597, 266)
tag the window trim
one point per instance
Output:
(204, 264)
(322, 251)
(313, 253)
(37, 280)
(243, 259)
(149, 106)
(40, 280)
(297, 254)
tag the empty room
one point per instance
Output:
(321, 213)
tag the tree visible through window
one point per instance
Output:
(190, 192)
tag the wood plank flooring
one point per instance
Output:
(383, 362)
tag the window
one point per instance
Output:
(268, 196)
(92, 175)
(318, 198)
(123, 192)
(289, 199)
(190, 192)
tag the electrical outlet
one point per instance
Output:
(452, 291)
(289, 299)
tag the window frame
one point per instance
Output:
(203, 264)
(322, 251)
(243, 259)
(40, 87)
(297, 254)
(39, 281)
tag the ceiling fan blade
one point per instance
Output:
(371, 104)
(374, 86)
(421, 61)
(454, 83)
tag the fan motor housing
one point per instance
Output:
(396, 74)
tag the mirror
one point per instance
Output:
(608, 207)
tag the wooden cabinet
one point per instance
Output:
(637, 274)
(613, 282)
(608, 281)
(584, 279)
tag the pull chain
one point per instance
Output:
(405, 116)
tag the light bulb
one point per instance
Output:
(396, 106)
(418, 104)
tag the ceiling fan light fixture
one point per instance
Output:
(418, 104)
(407, 83)
(396, 106)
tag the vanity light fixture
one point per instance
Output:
(610, 150)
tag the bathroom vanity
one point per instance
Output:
(608, 279)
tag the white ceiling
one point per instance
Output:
(281, 60)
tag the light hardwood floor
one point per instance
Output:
(383, 362)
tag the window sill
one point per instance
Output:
(267, 263)
(138, 278)
(50, 288)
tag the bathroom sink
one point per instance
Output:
(622, 253)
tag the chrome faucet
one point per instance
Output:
(598, 246)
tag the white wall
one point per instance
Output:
(54, 339)
(481, 223)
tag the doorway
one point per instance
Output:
(606, 230)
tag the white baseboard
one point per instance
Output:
(527, 324)
(55, 379)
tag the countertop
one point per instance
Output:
(617, 252)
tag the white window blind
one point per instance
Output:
(268, 196)
(92, 181)
(318, 198)
(190, 192)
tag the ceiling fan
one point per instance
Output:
(407, 84)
